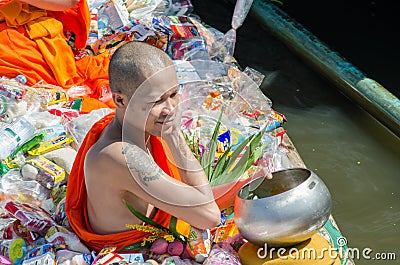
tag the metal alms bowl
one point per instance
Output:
(284, 210)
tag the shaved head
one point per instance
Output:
(133, 63)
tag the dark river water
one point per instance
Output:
(358, 159)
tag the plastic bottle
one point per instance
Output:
(15, 134)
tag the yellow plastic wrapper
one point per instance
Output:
(222, 233)
(53, 144)
(54, 170)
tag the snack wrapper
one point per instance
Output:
(39, 251)
(56, 172)
(182, 27)
(50, 145)
(53, 131)
(45, 259)
(15, 250)
(5, 261)
(12, 88)
(107, 256)
(112, 14)
(188, 49)
(31, 216)
(17, 230)
(50, 94)
(223, 232)
(61, 238)
(199, 243)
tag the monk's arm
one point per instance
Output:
(191, 201)
(53, 5)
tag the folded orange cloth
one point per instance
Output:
(32, 43)
(76, 198)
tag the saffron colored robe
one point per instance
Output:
(32, 43)
(76, 198)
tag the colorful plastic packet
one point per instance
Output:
(182, 27)
(50, 145)
(15, 250)
(66, 114)
(223, 142)
(17, 230)
(25, 147)
(39, 251)
(199, 243)
(31, 216)
(275, 119)
(45, 259)
(61, 238)
(3, 168)
(5, 261)
(56, 172)
(223, 232)
(188, 49)
(107, 256)
(131, 257)
(213, 101)
(112, 14)
(111, 41)
(50, 94)
(139, 32)
(12, 88)
(160, 40)
(53, 132)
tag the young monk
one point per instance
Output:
(139, 155)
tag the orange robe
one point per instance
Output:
(32, 43)
(76, 198)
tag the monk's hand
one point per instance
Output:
(172, 130)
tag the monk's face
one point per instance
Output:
(153, 107)
(163, 117)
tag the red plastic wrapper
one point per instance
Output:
(17, 230)
(32, 217)
(66, 114)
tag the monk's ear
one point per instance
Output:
(120, 100)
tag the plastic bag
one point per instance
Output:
(16, 99)
(188, 49)
(75, 92)
(13, 186)
(58, 235)
(222, 256)
(79, 126)
(141, 8)
(226, 46)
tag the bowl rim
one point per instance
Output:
(309, 171)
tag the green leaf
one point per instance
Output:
(172, 228)
(142, 217)
(135, 246)
(255, 155)
(248, 158)
(221, 163)
(255, 149)
(213, 146)
(237, 152)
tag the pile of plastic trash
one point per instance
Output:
(42, 126)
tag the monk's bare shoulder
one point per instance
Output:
(103, 159)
